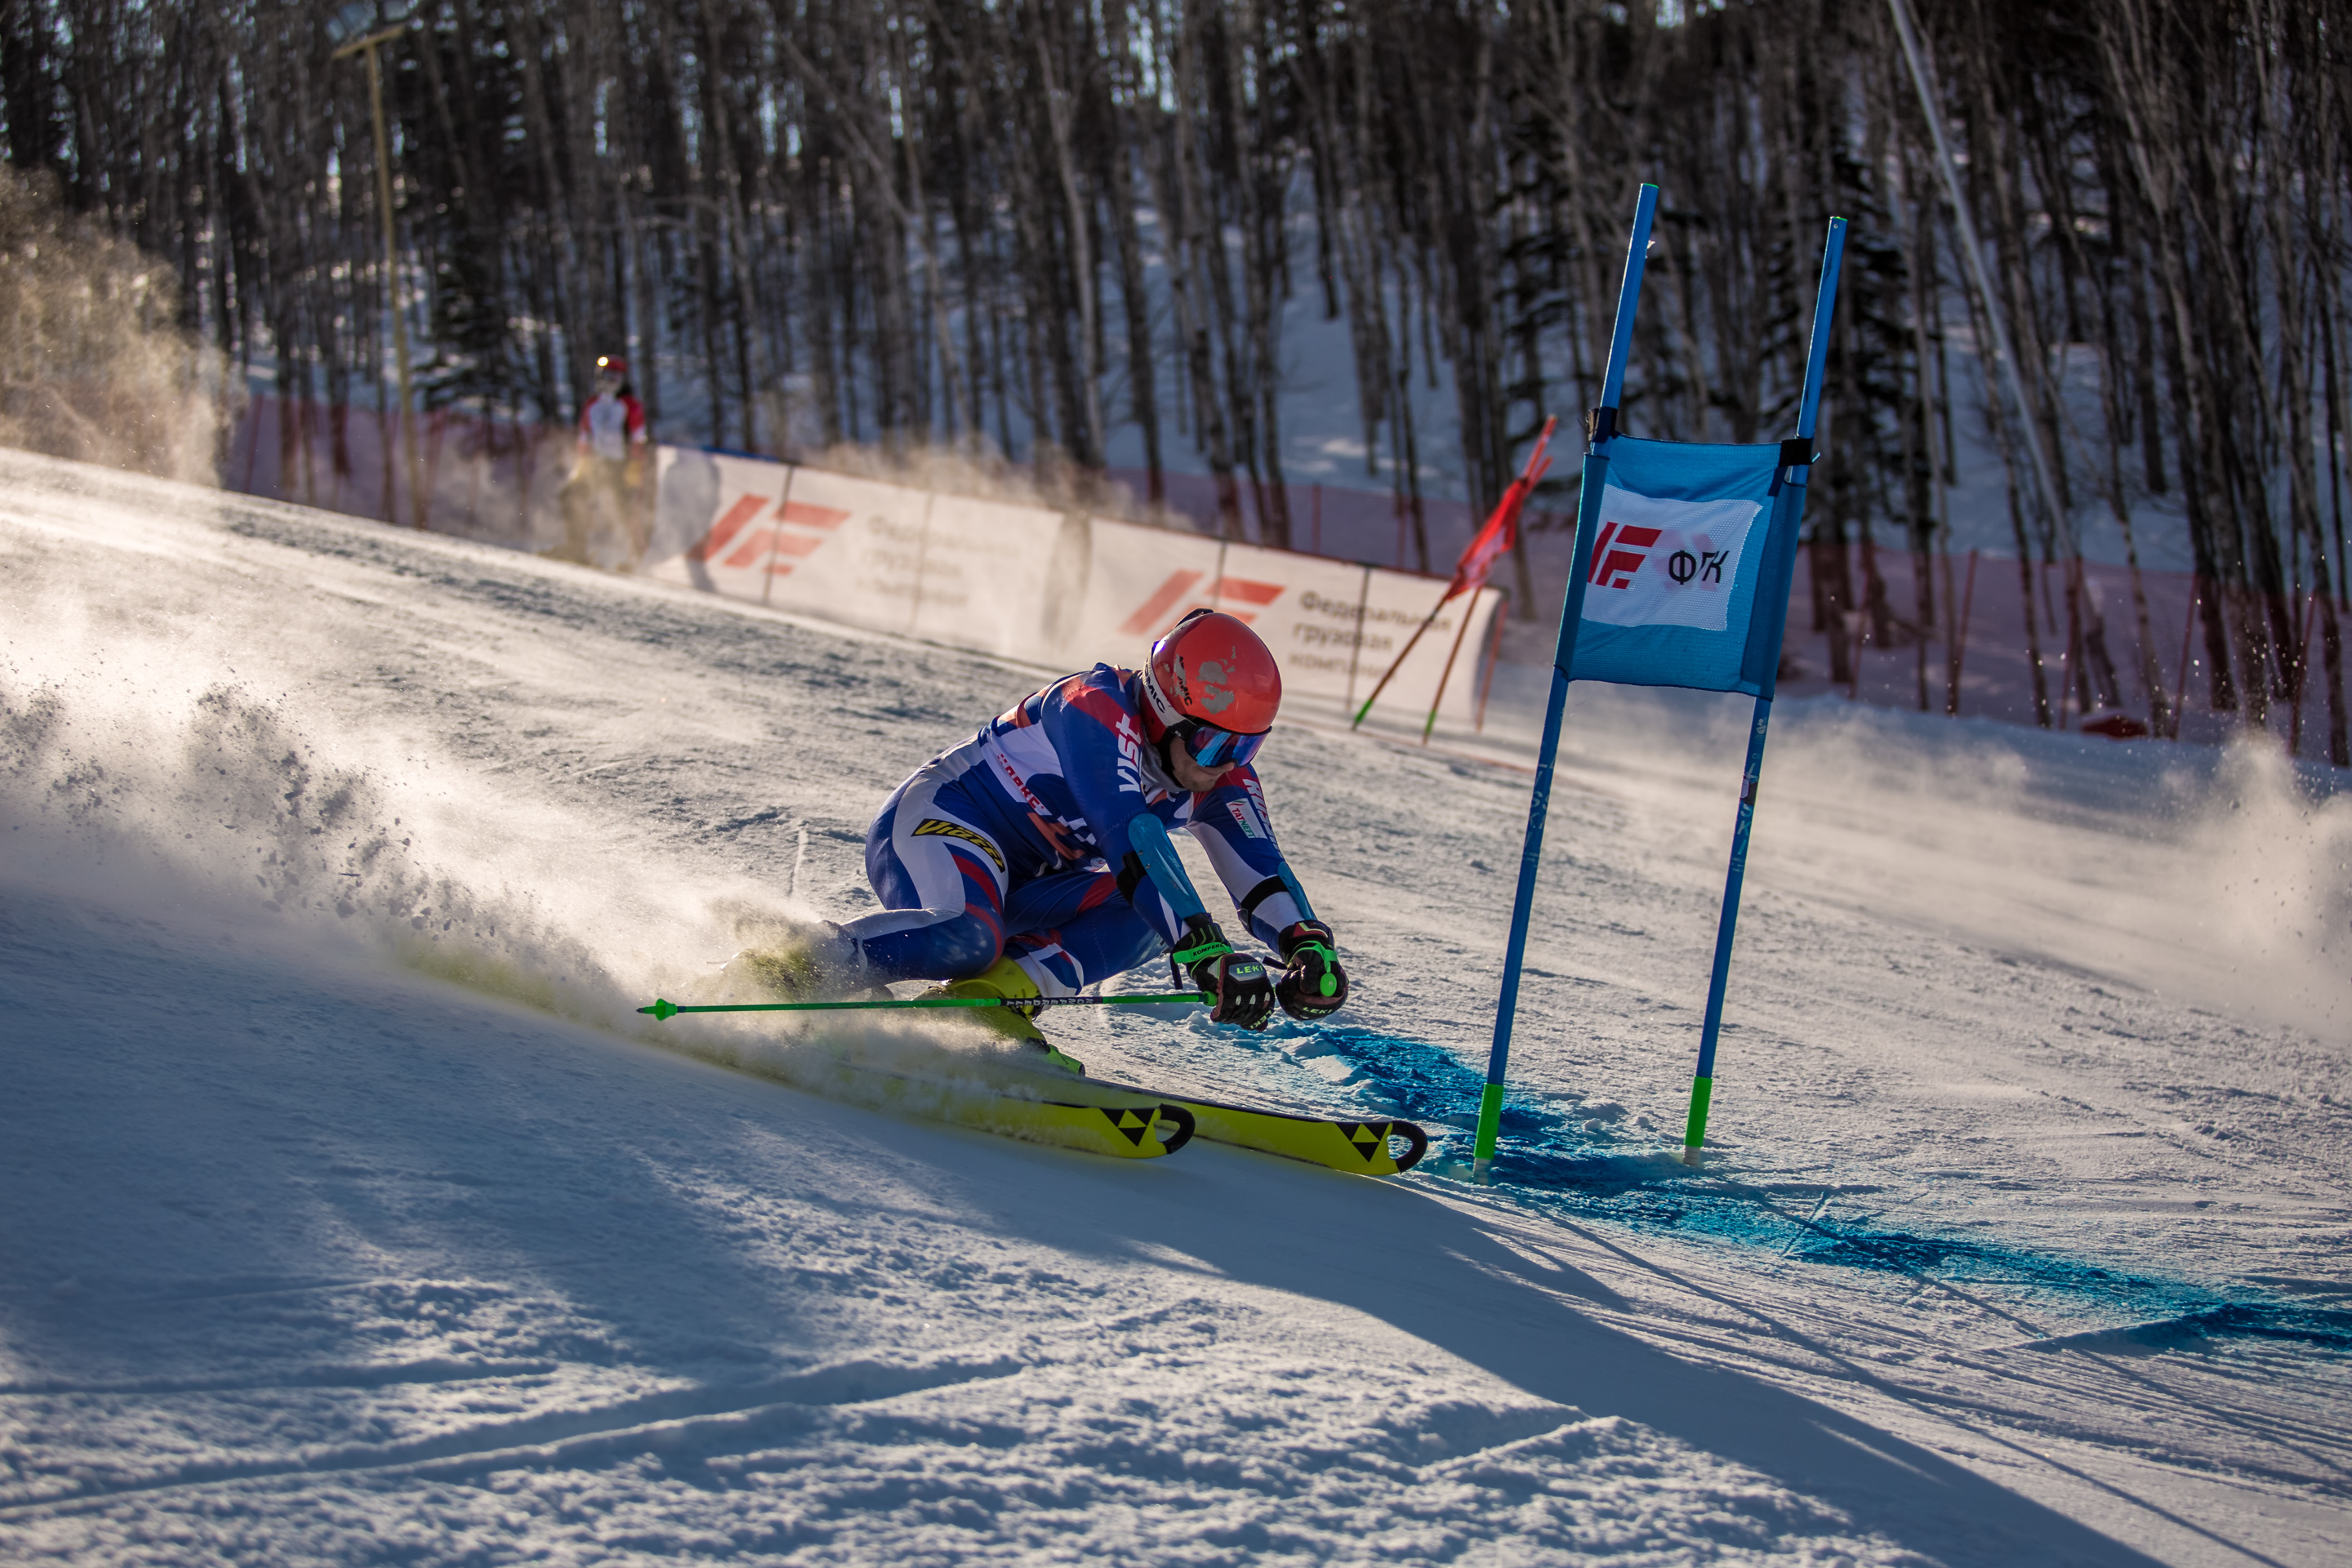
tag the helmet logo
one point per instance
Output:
(1216, 687)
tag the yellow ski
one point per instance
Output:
(1133, 1125)
(1364, 1148)
(1361, 1148)
(1086, 1113)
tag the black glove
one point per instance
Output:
(1235, 984)
(1313, 985)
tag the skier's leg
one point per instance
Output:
(1037, 964)
(636, 523)
(604, 515)
(943, 884)
(1071, 930)
(575, 500)
(922, 853)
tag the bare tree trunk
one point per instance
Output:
(1179, 199)
(1118, 177)
(1061, 114)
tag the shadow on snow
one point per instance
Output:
(1562, 1160)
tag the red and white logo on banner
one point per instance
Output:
(796, 530)
(1666, 562)
(1237, 596)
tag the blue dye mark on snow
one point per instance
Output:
(1564, 1157)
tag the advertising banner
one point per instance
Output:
(1139, 582)
(714, 517)
(1031, 584)
(1395, 604)
(1334, 626)
(998, 578)
(849, 550)
(1312, 623)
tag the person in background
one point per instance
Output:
(608, 476)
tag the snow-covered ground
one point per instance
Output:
(349, 1213)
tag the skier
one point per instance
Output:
(1035, 858)
(609, 471)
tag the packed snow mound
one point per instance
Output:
(354, 1212)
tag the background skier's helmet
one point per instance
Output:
(611, 367)
(1211, 686)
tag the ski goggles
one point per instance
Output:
(1216, 749)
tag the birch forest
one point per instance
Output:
(1030, 226)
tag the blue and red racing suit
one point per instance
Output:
(1046, 838)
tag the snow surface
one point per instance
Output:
(349, 1213)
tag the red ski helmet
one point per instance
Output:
(613, 365)
(1212, 685)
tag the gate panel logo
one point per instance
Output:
(1619, 553)
(1666, 562)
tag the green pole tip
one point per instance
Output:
(1490, 1124)
(1694, 1129)
(662, 1010)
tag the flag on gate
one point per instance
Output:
(1502, 530)
(1683, 556)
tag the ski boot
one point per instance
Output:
(818, 964)
(1007, 979)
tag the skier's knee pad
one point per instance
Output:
(965, 945)
(928, 944)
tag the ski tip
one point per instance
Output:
(663, 1009)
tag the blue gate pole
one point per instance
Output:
(1791, 505)
(1601, 425)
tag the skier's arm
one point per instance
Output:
(1101, 751)
(633, 435)
(1232, 825)
(1153, 878)
(1239, 989)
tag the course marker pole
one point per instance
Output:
(1430, 726)
(1600, 427)
(1410, 644)
(1790, 505)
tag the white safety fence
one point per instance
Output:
(1046, 589)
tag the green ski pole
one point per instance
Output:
(665, 1009)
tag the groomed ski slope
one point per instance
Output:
(348, 1213)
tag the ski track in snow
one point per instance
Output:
(352, 1214)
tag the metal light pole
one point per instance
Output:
(350, 17)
